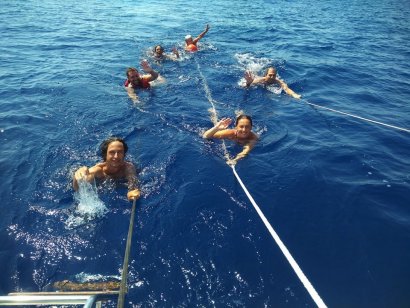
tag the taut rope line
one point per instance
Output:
(315, 296)
(358, 117)
(309, 287)
(123, 285)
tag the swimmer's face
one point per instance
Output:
(115, 154)
(271, 74)
(159, 50)
(243, 127)
(189, 41)
(133, 76)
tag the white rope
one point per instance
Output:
(214, 114)
(358, 117)
(315, 296)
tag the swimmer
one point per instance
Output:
(113, 166)
(135, 80)
(242, 134)
(269, 79)
(191, 44)
(159, 54)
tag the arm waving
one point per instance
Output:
(222, 124)
(201, 35)
(148, 69)
(251, 79)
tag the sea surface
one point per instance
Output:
(335, 188)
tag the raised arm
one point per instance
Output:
(251, 79)
(201, 35)
(222, 124)
(174, 56)
(148, 69)
(175, 52)
(288, 90)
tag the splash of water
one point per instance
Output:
(249, 62)
(89, 207)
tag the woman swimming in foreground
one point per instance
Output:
(242, 134)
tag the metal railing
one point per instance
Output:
(87, 299)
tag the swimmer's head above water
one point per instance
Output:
(105, 144)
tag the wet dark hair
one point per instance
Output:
(243, 116)
(155, 48)
(270, 67)
(104, 146)
(131, 69)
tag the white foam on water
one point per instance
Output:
(86, 277)
(89, 205)
(251, 63)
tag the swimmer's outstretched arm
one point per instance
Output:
(83, 173)
(175, 52)
(148, 69)
(174, 56)
(246, 149)
(288, 90)
(132, 94)
(201, 35)
(222, 124)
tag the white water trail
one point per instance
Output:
(89, 205)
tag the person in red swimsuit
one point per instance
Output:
(135, 80)
(242, 134)
(191, 44)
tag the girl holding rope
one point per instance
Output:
(242, 134)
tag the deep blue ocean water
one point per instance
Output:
(335, 188)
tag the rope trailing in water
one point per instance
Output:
(214, 114)
(358, 117)
(123, 286)
(315, 296)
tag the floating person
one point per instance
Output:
(159, 54)
(270, 78)
(135, 80)
(114, 166)
(191, 44)
(242, 134)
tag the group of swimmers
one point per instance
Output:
(113, 150)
